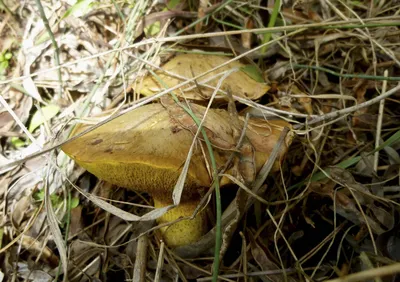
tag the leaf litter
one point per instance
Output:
(329, 212)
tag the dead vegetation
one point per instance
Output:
(290, 108)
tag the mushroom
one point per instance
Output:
(145, 150)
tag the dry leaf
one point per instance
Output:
(20, 211)
(37, 249)
(189, 65)
(264, 262)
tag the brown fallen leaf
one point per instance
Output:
(264, 262)
(37, 249)
(187, 66)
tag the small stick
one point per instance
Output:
(139, 270)
(379, 123)
(160, 263)
(343, 112)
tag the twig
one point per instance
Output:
(253, 274)
(342, 113)
(139, 270)
(346, 75)
(370, 273)
(160, 263)
(379, 123)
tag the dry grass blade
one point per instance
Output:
(55, 230)
(370, 273)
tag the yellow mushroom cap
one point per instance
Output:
(141, 150)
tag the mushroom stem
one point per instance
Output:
(183, 232)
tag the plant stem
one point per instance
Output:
(271, 23)
(53, 41)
